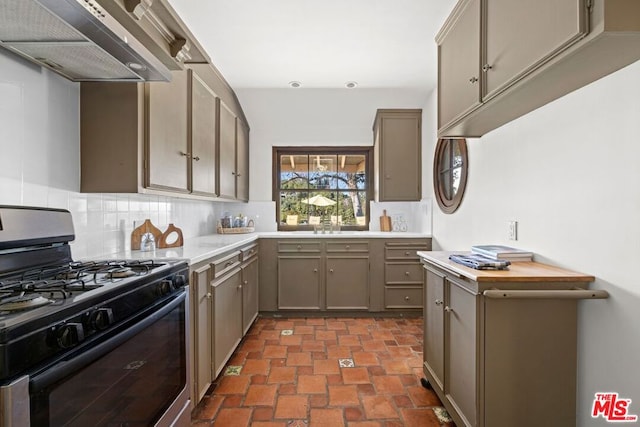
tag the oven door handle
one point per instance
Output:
(67, 367)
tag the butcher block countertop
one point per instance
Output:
(528, 271)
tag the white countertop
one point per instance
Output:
(197, 249)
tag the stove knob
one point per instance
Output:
(69, 334)
(179, 281)
(101, 318)
(164, 287)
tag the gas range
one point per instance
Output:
(56, 313)
(45, 290)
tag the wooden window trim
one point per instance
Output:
(333, 150)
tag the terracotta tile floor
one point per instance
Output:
(362, 372)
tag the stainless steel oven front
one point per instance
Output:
(136, 375)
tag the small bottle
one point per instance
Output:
(147, 242)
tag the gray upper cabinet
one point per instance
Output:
(227, 177)
(242, 160)
(167, 144)
(459, 63)
(203, 110)
(397, 148)
(514, 42)
(529, 54)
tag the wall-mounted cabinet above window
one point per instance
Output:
(500, 59)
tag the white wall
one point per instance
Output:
(40, 165)
(321, 117)
(567, 173)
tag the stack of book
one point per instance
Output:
(502, 252)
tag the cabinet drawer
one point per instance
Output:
(403, 297)
(249, 251)
(299, 247)
(226, 263)
(403, 252)
(349, 247)
(403, 273)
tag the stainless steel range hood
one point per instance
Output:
(77, 39)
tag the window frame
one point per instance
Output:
(278, 152)
(448, 204)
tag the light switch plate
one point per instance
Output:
(513, 230)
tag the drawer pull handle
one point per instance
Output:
(196, 158)
(209, 295)
(486, 67)
(246, 282)
(331, 270)
(473, 79)
(183, 154)
(407, 298)
(347, 247)
(315, 270)
(406, 273)
(299, 247)
(448, 309)
(239, 287)
(407, 253)
(439, 302)
(228, 263)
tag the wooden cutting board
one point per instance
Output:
(385, 221)
(162, 243)
(137, 233)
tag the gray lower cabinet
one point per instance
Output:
(250, 282)
(202, 333)
(227, 317)
(341, 274)
(299, 282)
(347, 284)
(224, 305)
(403, 275)
(505, 358)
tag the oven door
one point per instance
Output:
(137, 377)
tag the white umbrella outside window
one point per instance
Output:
(319, 200)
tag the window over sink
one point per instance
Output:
(322, 185)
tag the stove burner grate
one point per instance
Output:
(22, 302)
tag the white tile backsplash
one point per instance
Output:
(416, 215)
(40, 166)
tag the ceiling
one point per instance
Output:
(319, 43)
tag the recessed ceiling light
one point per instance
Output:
(295, 84)
(350, 85)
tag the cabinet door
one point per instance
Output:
(242, 164)
(167, 155)
(227, 317)
(522, 35)
(434, 326)
(202, 332)
(203, 137)
(249, 294)
(459, 64)
(400, 160)
(299, 282)
(227, 164)
(347, 284)
(461, 351)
